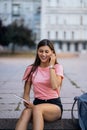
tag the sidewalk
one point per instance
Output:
(12, 70)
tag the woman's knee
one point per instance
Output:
(24, 119)
(37, 110)
(26, 113)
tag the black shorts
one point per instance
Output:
(56, 101)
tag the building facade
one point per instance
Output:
(25, 12)
(65, 23)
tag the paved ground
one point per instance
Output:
(12, 70)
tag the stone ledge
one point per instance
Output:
(64, 124)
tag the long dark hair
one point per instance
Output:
(44, 42)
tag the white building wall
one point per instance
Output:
(64, 20)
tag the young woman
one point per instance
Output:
(45, 75)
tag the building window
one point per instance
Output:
(72, 35)
(38, 10)
(56, 35)
(81, 20)
(81, 1)
(15, 9)
(57, 1)
(64, 35)
(5, 12)
(60, 45)
(48, 35)
(84, 46)
(76, 46)
(5, 7)
(68, 46)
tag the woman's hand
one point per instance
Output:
(28, 105)
(52, 59)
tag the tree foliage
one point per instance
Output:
(17, 35)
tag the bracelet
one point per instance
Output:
(51, 67)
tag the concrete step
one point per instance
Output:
(63, 124)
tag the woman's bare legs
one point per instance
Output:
(40, 113)
(43, 112)
(24, 119)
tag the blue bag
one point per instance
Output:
(82, 111)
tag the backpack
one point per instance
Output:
(82, 111)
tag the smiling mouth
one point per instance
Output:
(43, 58)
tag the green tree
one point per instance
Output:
(19, 35)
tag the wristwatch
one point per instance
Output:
(51, 67)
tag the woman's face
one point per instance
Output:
(44, 53)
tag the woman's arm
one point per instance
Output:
(27, 87)
(26, 95)
(56, 80)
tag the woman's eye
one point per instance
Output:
(41, 51)
(46, 51)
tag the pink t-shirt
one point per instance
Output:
(41, 82)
